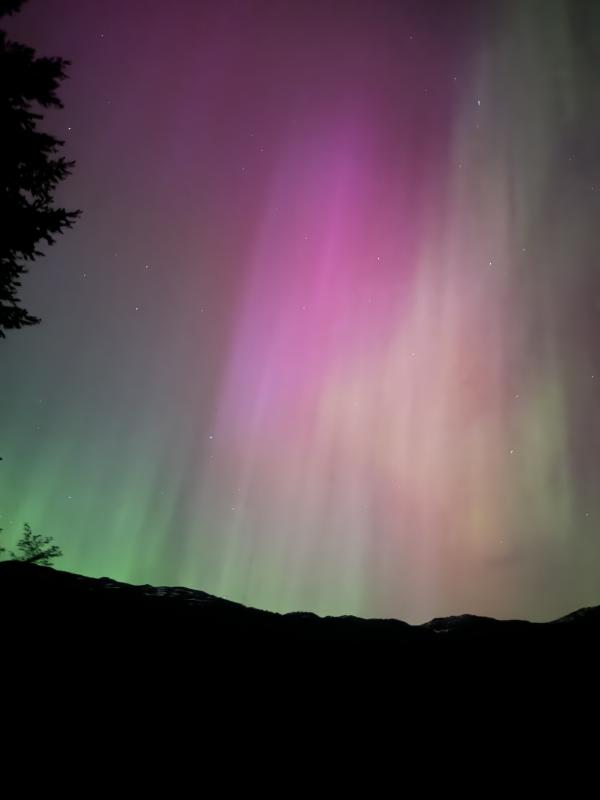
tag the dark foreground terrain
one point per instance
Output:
(43, 604)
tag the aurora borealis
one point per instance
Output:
(327, 335)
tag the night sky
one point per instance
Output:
(327, 334)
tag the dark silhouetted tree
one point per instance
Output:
(36, 549)
(30, 169)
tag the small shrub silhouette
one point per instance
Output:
(36, 549)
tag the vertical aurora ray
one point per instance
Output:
(370, 380)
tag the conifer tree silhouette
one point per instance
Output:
(30, 167)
